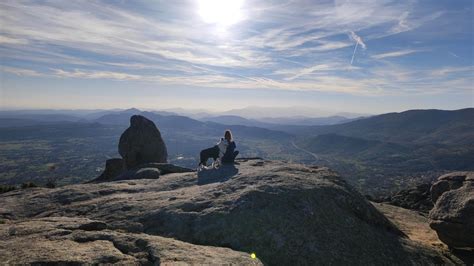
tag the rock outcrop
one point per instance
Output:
(142, 143)
(78, 241)
(415, 225)
(448, 182)
(288, 214)
(413, 198)
(144, 154)
(452, 216)
(144, 171)
(113, 168)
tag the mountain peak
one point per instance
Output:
(131, 110)
(283, 212)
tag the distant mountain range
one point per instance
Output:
(377, 154)
(414, 126)
(394, 148)
(257, 112)
(183, 124)
(274, 122)
(36, 117)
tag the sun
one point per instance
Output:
(223, 13)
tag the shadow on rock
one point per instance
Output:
(221, 174)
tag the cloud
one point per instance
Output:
(110, 31)
(21, 72)
(379, 82)
(95, 75)
(396, 53)
(468, 70)
(324, 69)
(453, 54)
(405, 24)
(8, 40)
(286, 45)
(358, 41)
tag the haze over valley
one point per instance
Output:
(378, 154)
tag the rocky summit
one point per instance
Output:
(453, 214)
(143, 152)
(285, 213)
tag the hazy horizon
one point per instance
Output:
(249, 112)
(367, 57)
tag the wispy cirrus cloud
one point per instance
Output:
(466, 70)
(95, 75)
(21, 71)
(282, 45)
(9, 40)
(397, 53)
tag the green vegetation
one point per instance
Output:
(386, 153)
(28, 185)
(55, 155)
(378, 155)
(51, 184)
(6, 188)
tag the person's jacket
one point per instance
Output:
(229, 152)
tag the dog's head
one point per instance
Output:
(222, 145)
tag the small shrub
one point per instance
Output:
(50, 184)
(6, 188)
(28, 185)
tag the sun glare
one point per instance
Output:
(223, 13)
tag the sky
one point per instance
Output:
(366, 56)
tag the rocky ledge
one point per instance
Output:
(75, 241)
(284, 213)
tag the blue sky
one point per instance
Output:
(347, 56)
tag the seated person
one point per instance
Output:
(230, 153)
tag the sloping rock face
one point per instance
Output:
(453, 214)
(415, 225)
(288, 214)
(142, 143)
(77, 241)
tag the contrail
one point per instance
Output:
(353, 54)
(358, 41)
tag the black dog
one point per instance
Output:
(205, 154)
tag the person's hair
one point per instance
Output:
(228, 133)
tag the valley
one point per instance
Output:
(378, 155)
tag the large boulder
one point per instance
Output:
(448, 182)
(452, 216)
(142, 143)
(288, 214)
(144, 155)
